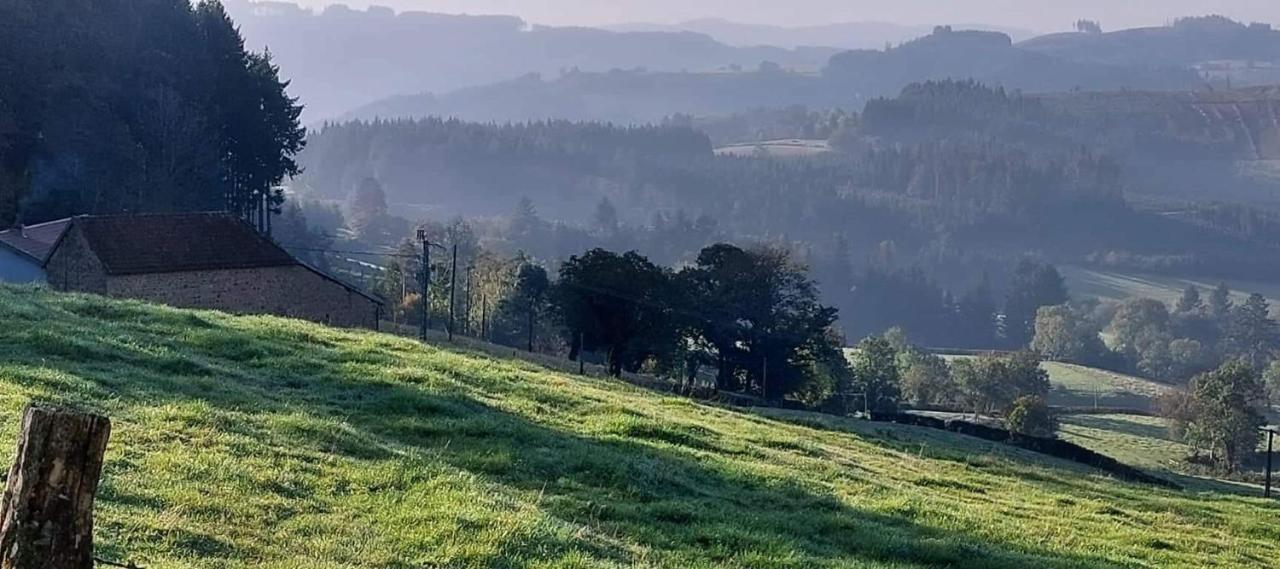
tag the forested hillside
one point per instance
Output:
(147, 105)
(896, 234)
(1194, 145)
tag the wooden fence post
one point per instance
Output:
(46, 519)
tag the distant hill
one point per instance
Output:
(992, 58)
(340, 58)
(847, 81)
(1221, 49)
(846, 35)
(627, 97)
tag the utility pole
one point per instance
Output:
(404, 291)
(530, 310)
(453, 288)
(764, 382)
(1271, 435)
(426, 282)
(466, 315)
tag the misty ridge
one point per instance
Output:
(340, 58)
(910, 174)
(370, 63)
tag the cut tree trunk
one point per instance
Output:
(46, 519)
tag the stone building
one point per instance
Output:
(200, 260)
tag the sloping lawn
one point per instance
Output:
(261, 442)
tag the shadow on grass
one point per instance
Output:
(661, 494)
(1131, 428)
(1064, 397)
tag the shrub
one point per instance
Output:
(1031, 416)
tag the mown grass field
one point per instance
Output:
(261, 442)
(1145, 442)
(1123, 285)
(1079, 386)
(776, 148)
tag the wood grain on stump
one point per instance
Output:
(46, 519)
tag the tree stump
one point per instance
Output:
(46, 519)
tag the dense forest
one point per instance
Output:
(1211, 145)
(138, 105)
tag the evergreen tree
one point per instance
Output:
(977, 319)
(135, 106)
(366, 206)
(606, 218)
(1251, 333)
(1190, 302)
(258, 129)
(1220, 304)
(528, 300)
(1034, 285)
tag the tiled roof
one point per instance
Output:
(176, 242)
(34, 241)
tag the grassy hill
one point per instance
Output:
(1123, 285)
(261, 442)
(1079, 386)
(1145, 442)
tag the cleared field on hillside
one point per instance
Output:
(776, 148)
(1118, 285)
(1139, 441)
(1080, 386)
(261, 442)
(1144, 442)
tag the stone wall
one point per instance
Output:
(291, 291)
(73, 267)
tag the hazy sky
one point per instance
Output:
(1042, 15)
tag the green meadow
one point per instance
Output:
(1079, 386)
(263, 442)
(1122, 285)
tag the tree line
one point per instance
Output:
(1222, 357)
(750, 320)
(138, 106)
(744, 320)
(908, 234)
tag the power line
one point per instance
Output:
(342, 252)
(638, 301)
